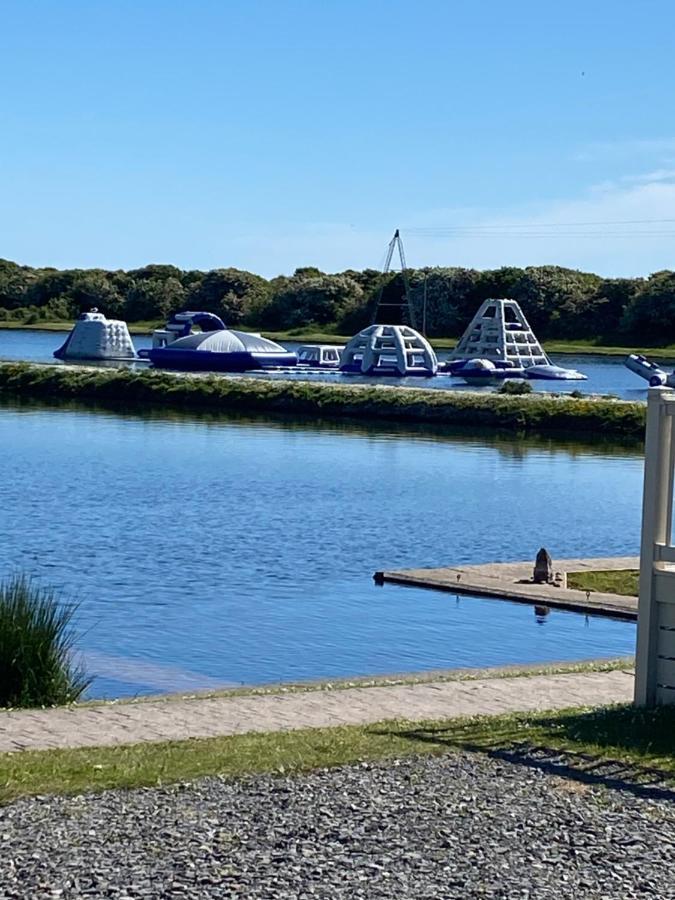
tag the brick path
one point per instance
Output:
(178, 719)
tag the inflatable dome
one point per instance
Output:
(221, 351)
(394, 350)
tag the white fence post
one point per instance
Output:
(655, 653)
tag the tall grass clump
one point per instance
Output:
(36, 640)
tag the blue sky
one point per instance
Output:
(270, 135)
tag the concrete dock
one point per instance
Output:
(513, 581)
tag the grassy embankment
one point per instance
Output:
(534, 412)
(308, 336)
(641, 741)
(616, 581)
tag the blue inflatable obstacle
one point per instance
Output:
(214, 349)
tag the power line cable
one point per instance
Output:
(533, 225)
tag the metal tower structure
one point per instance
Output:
(400, 311)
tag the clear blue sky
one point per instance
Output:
(270, 134)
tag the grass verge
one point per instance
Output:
(642, 742)
(614, 581)
(535, 412)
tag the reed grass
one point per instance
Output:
(36, 640)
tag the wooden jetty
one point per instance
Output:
(513, 581)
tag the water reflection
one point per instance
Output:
(541, 613)
(513, 445)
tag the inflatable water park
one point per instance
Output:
(497, 344)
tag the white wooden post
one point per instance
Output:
(655, 654)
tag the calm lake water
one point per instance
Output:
(212, 550)
(606, 375)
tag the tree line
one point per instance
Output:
(559, 302)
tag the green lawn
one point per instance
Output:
(639, 740)
(579, 346)
(66, 325)
(617, 581)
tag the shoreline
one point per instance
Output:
(538, 413)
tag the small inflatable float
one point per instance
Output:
(484, 371)
(550, 372)
(95, 337)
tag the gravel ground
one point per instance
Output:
(457, 826)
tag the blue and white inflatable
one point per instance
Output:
(214, 349)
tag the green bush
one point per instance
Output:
(35, 647)
(515, 386)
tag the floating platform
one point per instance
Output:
(513, 581)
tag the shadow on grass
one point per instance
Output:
(618, 747)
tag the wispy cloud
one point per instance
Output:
(614, 227)
(634, 148)
(624, 227)
(657, 176)
(620, 228)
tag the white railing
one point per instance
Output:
(655, 656)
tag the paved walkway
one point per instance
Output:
(512, 581)
(178, 719)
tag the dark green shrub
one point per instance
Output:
(35, 647)
(515, 386)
